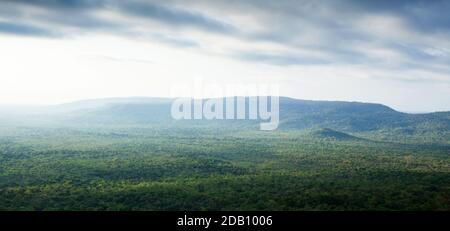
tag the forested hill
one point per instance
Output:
(350, 117)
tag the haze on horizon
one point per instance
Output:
(392, 52)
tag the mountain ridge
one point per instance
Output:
(341, 116)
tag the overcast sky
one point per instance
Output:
(391, 52)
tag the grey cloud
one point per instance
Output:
(56, 15)
(79, 20)
(62, 4)
(176, 17)
(286, 23)
(145, 9)
(422, 15)
(411, 51)
(62, 15)
(178, 41)
(279, 59)
(26, 30)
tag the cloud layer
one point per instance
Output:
(400, 40)
(315, 32)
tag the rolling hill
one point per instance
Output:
(368, 120)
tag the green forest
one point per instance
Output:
(155, 168)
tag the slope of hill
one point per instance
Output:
(363, 119)
(326, 133)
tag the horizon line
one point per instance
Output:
(3, 104)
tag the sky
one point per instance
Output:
(392, 52)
